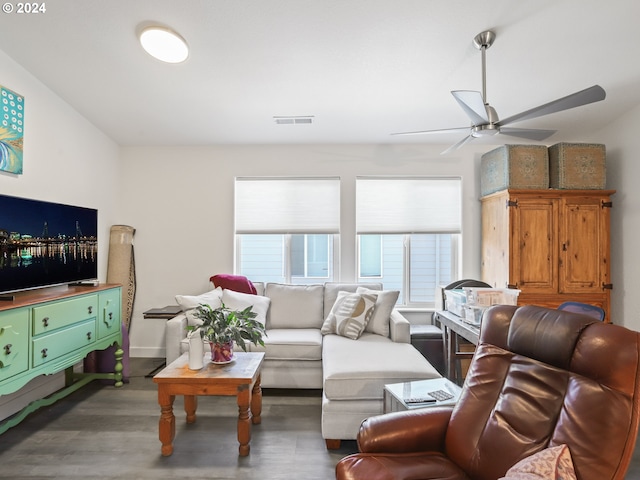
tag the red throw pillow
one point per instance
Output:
(237, 283)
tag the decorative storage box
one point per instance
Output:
(473, 314)
(486, 297)
(455, 300)
(514, 166)
(577, 166)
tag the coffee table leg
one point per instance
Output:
(244, 425)
(167, 424)
(256, 403)
(190, 405)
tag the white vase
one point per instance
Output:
(196, 351)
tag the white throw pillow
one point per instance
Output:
(213, 298)
(192, 320)
(349, 315)
(385, 303)
(239, 301)
(553, 463)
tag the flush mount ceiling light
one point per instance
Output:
(164, 44)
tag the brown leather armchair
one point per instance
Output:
(539, 378)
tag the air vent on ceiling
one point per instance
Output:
(298, 120)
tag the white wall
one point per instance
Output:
(180, 200)
(66, 160)
(623, 175)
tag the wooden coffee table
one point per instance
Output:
(241, 378)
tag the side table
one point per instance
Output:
(394, 394)
(163, 313)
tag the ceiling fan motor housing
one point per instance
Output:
(487, 129)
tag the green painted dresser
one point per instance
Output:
(43, 332)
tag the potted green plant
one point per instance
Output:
(221, 327)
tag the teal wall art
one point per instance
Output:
(11, 131)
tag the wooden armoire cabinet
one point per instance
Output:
(552, 245)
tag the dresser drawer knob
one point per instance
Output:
(7, 349)
(110, 315)
(45, 321)
(44, 353)
(89, 336)
(90, 310)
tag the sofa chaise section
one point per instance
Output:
(355, 373)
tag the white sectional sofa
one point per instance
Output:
(302, 350)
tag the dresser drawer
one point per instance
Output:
(109, 313)
(48, 318)
(14, 342)
(54, 345)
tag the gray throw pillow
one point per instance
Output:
(349, 315)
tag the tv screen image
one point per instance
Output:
(44, 244)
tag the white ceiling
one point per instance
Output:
(363, 68)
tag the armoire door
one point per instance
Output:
(584, 244)
(534, 261)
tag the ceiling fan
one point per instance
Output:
(484, 119)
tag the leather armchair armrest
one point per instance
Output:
(403, 432)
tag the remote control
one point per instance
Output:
(428, 399)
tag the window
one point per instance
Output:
(287, 229)
(408, 234)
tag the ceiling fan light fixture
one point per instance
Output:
(484, 130)
(164, 44)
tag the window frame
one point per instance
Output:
(297, 205)
(454, 229)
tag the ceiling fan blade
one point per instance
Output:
(583, 97)
(530, 133)
(444, 130)
(473, 105)
(457, 145)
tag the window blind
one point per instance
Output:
(408, 205)
(287, 205)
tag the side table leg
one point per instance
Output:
(244, 425)
(167, 424)
(256, 403)
(190, 406)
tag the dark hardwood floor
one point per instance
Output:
(104, 433)
(101, 432)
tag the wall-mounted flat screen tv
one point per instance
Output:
(45, 244)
